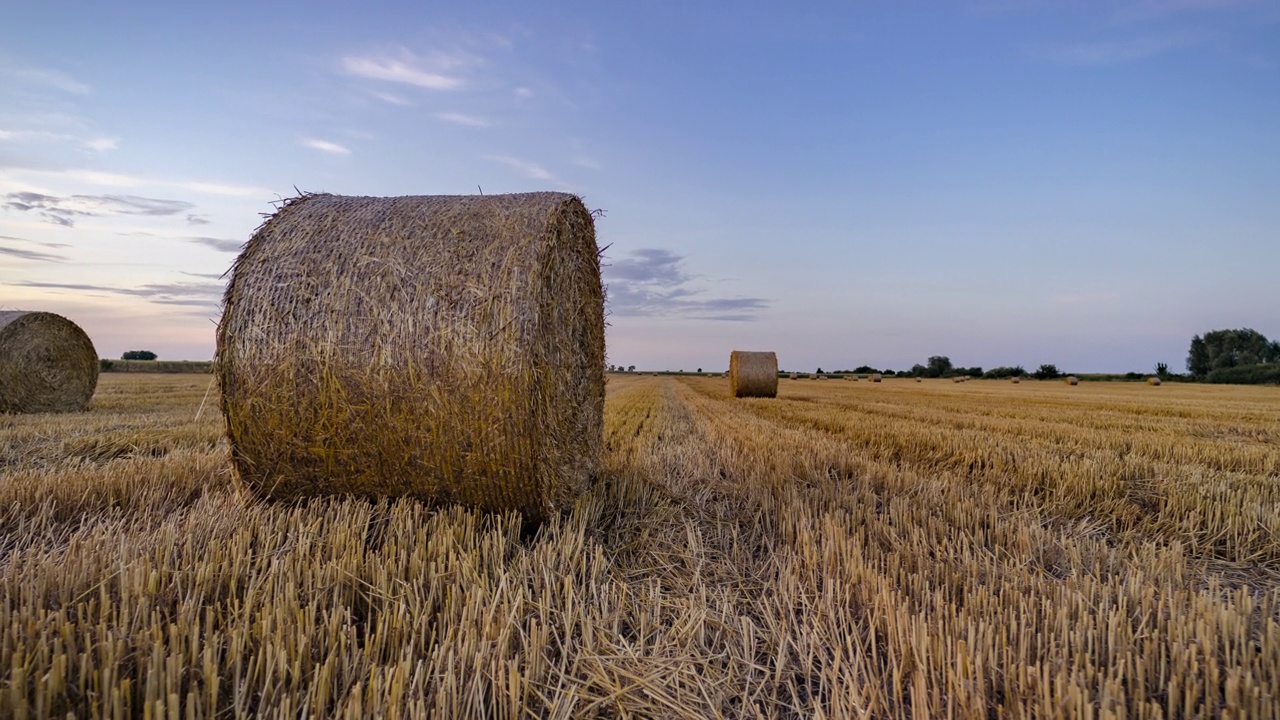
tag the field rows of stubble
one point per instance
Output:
(891, 550)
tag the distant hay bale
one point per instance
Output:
(1153, 381)
(447, 348)
(1073, 380)
(875, 377)
(1015, 380)
(753, 374)
(919, 380)
(794, 375)
(47, 363)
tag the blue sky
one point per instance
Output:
(1006, 182)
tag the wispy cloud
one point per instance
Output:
(405, 68)
(391, 98)
(197, 294)
(325, 146)
(103, 144)
(43, 77)
(219, 244)
(458, 118)
(650, 282)
(33, 255)
(1111, 52)
(63, 210)
(586, 161)
(193, 219)
(118, 180)
(528, 169)
(524, 92)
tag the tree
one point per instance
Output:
(819, 371)
(939, 366)
(631, 368)
(138, 355)
(1221, 349)
(1046, 372)
(699, 371)
(1162, 370)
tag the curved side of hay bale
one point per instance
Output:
(47, 363)
(1073, 380)
(753, 374)
(876, 377)
(449, 348)
(1153, 381)
(1014, 381)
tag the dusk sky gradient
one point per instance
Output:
(1080, 182)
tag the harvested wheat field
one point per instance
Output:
(902, 550)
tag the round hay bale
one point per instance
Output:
(875, 377)
(1015, 381)
(448, 348)
(919, 380)
(753, 374)
(1073, 380)
(47, 363)
(1153, 381)
(795, 376)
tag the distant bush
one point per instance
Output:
(1047, 372)
(1001, 373)
(138, 355)
(105, 365)
(1267, 374)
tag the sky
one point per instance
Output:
(1004, 182)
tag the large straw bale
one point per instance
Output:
(47, 363)
(1073, 380)
(1153, 381)
(753, 374)
(876, 377)
(449, 348)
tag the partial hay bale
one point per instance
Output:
(1073, 380)
(1153, 381)
(875, 377)
(753, 374)
(447, 348)
(47, 363)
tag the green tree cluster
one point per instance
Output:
(1224, 349)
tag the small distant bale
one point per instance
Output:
(795, 376)
(1015, 381)
(1153, 381)
(47, 364)
(445, 348)
(876, 377)
(753, 374)
(919, 380)
(1073, 380)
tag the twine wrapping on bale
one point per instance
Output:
(1153, 381)
(448, 348)
(753, 374)
(47, 363)
(1073, 380)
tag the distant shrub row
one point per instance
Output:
(1266, 374)
(156, 366)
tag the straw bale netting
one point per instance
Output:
(875, 377)
(1153, 381)
(1073, 380)
(753, 374)
(47, 363)
(448, 348)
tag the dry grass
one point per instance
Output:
(905, 550)
(445, 348)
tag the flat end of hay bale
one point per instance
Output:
(47, 363)
(753, 373)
